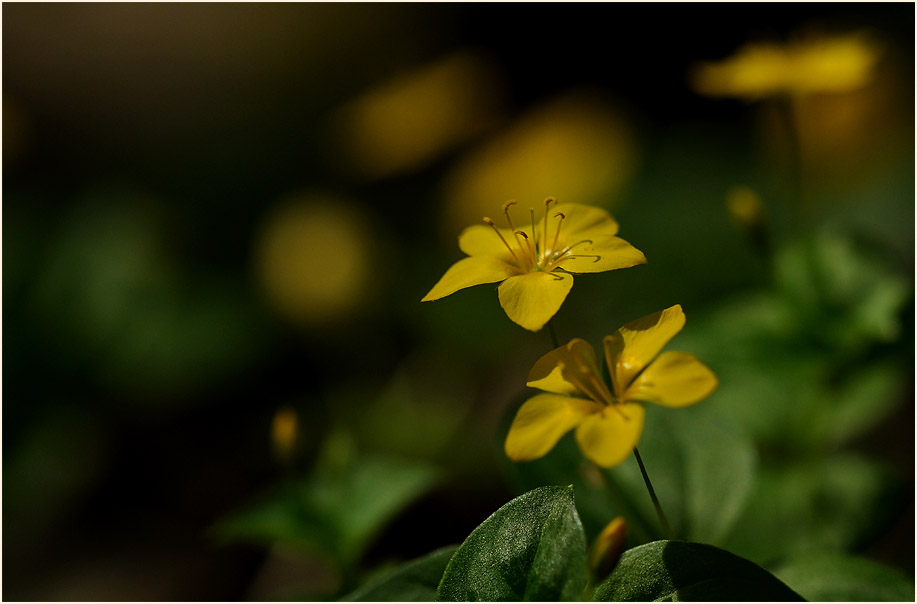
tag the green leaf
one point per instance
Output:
(678, 570)
(339, 509)
(360, 501)
(848, 296)
(860, 403)
(702, 467)
(414, 581)
(831, 577)
(828, 503)
(533, 548)
(701, 463)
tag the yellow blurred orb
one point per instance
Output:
(284, 432)
(744, 206)
(576, 148)
(809, 64)
(414, 117)
(313, 257)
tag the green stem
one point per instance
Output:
(553, 333)
(649, 487)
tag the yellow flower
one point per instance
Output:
(608, 422)
(535, 264)
(830, 64)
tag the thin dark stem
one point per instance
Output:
(553, 333)
(649, 487)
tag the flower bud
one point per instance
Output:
(607, 549)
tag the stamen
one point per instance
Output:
(580, 385)
(534, 234)
(528, 245)
(497, 231)
(595, 256)
(557, 234)
(506, 207)
(598, 391)
(570, 247)
(544, 241)
(509, 221)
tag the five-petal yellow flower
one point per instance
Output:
(535, 264)
(608, 422)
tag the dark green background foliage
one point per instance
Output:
(148, 151)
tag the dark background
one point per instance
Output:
(159, 136)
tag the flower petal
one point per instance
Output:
(584, 222)
(468, 272)
(633, 346)
(675, 379)
(541, 421)
(481, 240)
(531, 299)
(608, 437)
(606, 254)
(563, 370)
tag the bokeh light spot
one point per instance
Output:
(313, 259)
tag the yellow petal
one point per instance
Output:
(604, 254)
(570, 369)
(608, 437)
(675, 379)
(531, 299)
(634, 345)
(584, 222)
(542, 421)
(468, 272)
(481, 240)
(547, 373)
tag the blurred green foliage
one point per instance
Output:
(144, 358)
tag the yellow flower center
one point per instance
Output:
(536, 252)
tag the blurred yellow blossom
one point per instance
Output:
(535, 264)
(313, 259)
(284, 432)
(578, 146)
(744, 205)
(608, 422)
(414, 117)
(823, 64)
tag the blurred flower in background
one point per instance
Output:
(809, 65)
(318, 261)
(578, 148)
(215, 212)
(414, 117)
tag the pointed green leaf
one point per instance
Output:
(414, 581)
(681, 571)
(533, 548)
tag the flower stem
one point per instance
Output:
(553, 333)
(649, 487)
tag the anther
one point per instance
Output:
(506, 207)
(527, 244)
